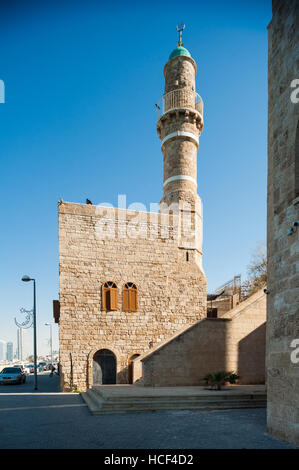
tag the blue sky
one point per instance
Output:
(81, 81)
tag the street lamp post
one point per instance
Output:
(50, 325)
(27, 279)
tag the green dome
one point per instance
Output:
(179, 51)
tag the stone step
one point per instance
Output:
(143, 408)
(190, 405)
(180, 403)
(93, 402)
(97, 404)
(214, 396)
(172, 402)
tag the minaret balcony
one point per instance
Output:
(181, 98)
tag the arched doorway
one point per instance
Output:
(104, 367)
(130, 367)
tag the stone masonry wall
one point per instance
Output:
(222, 305)
(246, 341)
(235, 342)
(283, 210)
(189, 356)
(171, 290)
(179, 72)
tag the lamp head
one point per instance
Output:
(26, 278)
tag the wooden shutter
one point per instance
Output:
(105, 291)
(125, 299)
(56, 310)
(133, 300)
(136, 300)
(113, 298)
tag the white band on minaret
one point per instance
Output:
(181, 134)
(179, 177)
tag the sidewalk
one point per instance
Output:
(49, 420)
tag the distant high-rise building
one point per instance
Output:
(21, 344)
(9, 351)
(2, 350)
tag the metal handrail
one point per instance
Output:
(234, 284)
(181, 98)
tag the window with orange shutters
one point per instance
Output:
(130, 297)
(109, 296)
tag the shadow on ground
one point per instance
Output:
(48, 419)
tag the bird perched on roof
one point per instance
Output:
(88, 201)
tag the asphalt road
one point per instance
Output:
(47, 419)
(45, 384)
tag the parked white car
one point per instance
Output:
(10, 375)
(26, 369)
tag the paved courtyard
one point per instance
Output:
(47, 419)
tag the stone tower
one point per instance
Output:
(99, 327)
(283, 214)
(179, 126)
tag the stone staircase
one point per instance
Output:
(128, 398)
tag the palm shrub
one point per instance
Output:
(217, 380)
(233, 378)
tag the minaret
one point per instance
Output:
(179, 127)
